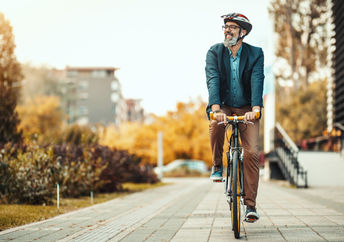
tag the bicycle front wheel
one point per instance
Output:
(236, 216)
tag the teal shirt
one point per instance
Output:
(237, 98)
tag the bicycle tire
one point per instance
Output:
(236, 216)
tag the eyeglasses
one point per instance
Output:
(231, 27)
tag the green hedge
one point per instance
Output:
(29, 173)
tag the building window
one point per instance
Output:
(114, 86)
(98, 73)
(72, 73)
(83, 95)
(83, 85)
(83, 110)
(114, 97)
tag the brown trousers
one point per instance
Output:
(249, 135)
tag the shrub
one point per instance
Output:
(77, 135)
(80, 170)
(29, 174)
(123, 167)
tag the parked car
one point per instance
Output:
(192, 165)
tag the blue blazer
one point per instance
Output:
(251, 74)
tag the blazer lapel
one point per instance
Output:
(226, 60)
(243, 60)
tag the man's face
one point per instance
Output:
(232, 30)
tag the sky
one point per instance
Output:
(159, 45)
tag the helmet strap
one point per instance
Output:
(240, 36)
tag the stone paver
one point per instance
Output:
(194, 209)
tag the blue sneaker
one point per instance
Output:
(251, 215)
(216, 174)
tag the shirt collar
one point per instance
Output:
(238, 54)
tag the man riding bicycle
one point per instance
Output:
(235, 77)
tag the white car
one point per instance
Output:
(192, 165)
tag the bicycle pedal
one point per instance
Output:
(218, 181)
(250, 220)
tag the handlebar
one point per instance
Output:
(233, 118)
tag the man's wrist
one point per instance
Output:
(256, 109)
(215, 107)
(217, 111)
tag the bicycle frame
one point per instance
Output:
(234, 146)
(234, 182)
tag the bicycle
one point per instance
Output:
(234, 181)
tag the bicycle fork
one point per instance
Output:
(228, 190)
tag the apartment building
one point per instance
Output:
(135, 112)
(92, 95)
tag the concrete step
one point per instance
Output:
(324, 168)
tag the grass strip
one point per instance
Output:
(13, 215)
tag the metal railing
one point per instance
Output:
(287, 152)
(341, 128)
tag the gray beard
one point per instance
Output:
(230, 42)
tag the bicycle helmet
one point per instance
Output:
(240, 19)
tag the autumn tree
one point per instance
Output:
(41, 115)
(185, 135)
(302, 37)
(40, 81)
(308, 121)
(301, 51)
(187, 132)
(10, 80)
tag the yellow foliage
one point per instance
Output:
(303, 114)
(185, 135)
(40, 115)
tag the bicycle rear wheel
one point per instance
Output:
(235, 204)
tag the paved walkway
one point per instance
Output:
(196, 210)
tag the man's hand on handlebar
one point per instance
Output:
(250, 116)
(253, 115)
(220, 116)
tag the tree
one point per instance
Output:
(10, 79)
(40, 81)
(301, 48)
(304, 114)
(41, 115)
(185, 135)
(301, 52)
